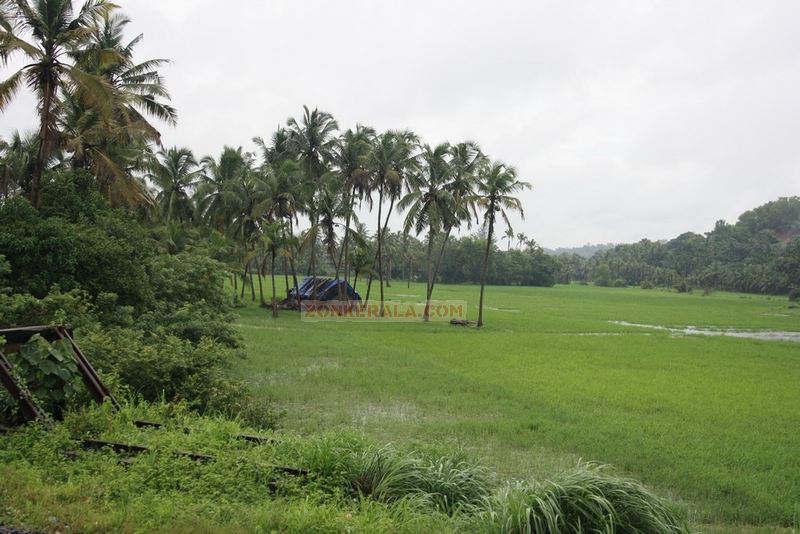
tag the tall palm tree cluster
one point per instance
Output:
(93, 99)
(299, 192)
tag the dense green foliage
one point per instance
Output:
(528, 267)
(98, 250)
(758, 254)
(157, 324)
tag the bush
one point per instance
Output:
(682, 286)
(619, 282)
(165, 366)
(647, 284)
(72, 307)
(108, 255)
(794, 294)
(585, 500)
(191, 302)
(602, 277)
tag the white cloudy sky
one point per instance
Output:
(631, 118)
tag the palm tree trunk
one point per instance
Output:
(48, 95)
(274, 297)
(296, 286)
(169, 206)
(286, 274)
(314, 257)
(336, 270)
(439, 259)
(380, 245)
(244, 280)
(294, 270)
(343, 259)
(429, 291)
(485, 265)
(260, 284)
(252, 285)
(369, 283)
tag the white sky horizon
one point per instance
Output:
(632, 119)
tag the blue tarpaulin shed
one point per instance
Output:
(327, 290)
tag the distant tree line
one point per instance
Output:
(760, 253)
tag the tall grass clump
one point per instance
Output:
(447, 483)
(585, 500)
(349, 463)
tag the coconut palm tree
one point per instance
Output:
(313, 139)
(112, 148)
(55, 30)
(16, 164)
(272, 241)
(509, 235)
(333, 206)
(286, 194)
(249, 198)
(392, 158)
(279, 149)
(430, 204)
(216, 179)
(349, 160)
(362, 257)
(139, 88)
(175, 173)
(496, 186)
(465, 159)
(115, 153)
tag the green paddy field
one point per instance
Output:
(712, 422)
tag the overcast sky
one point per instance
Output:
(631, 118)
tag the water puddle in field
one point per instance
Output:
(381, 412)
(765, 335)
(259, 327)
(602, 334)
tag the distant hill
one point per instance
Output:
(586, 251)
(760, 253)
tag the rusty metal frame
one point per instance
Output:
(16, 337)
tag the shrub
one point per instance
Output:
(602, 276)
(192, 322)
(682, 286)
(587, 499)
(165, 366)
(794, 294)
(72, 307)
(191, 302)
(619, 282)
(189, 278)
(647, 284)
(108, 255)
